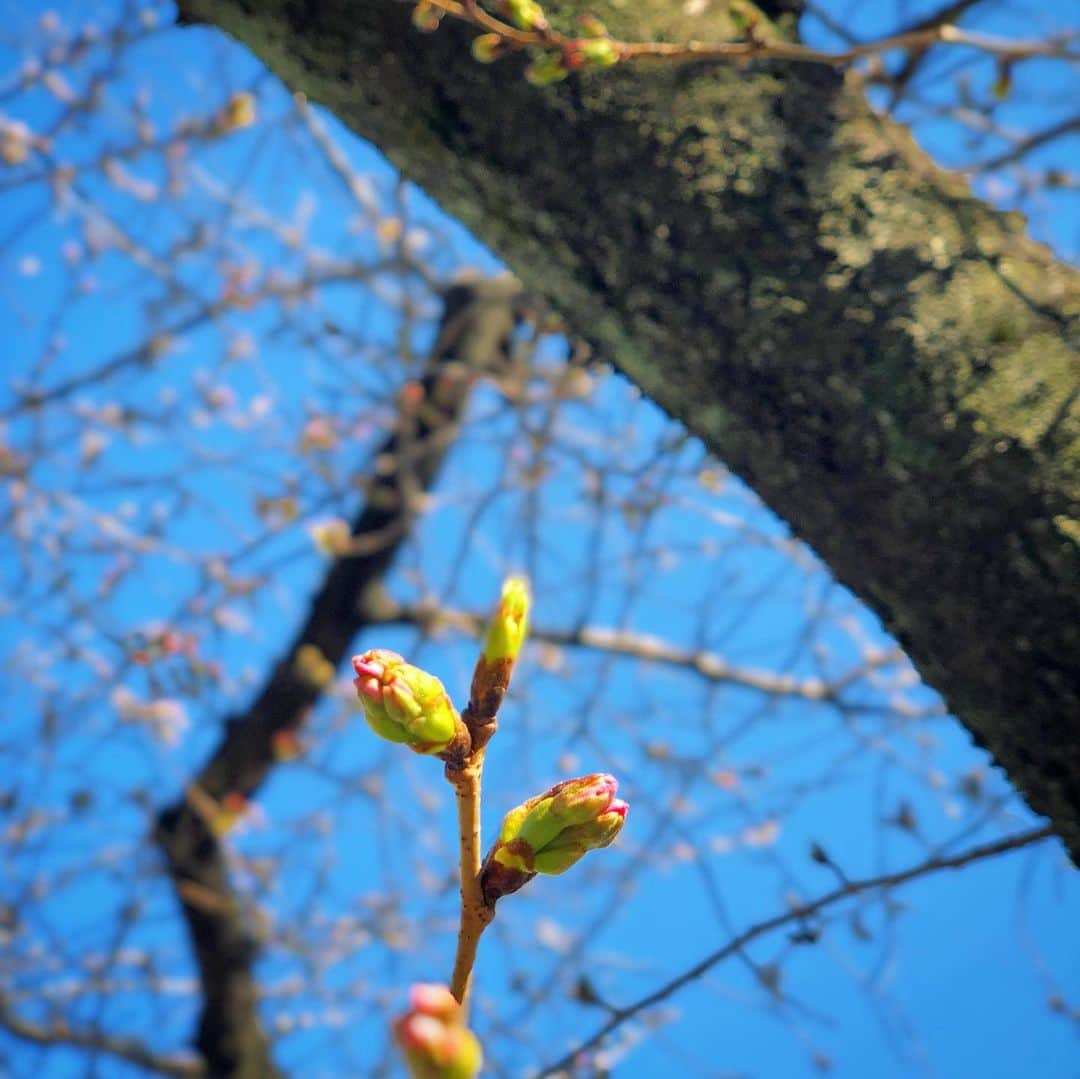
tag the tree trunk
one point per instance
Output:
(882, 357)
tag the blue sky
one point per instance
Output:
(956, 982)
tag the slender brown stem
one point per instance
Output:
(476, 915)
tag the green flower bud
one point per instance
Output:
(426, 17)
(549, 833)
(502, 643)
(548, 67)
(488, 47)
(572, 843)
(525, 14)
(593, 52)
(404, 704)
(508, 627)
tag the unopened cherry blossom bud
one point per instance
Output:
(526, 14)
(431, 998)
(433, 1036)
(502, 643)
(549, 833)
(426, 17)
(546, 68)
(239, 112)
(510, 623)
(591, 52)
(404, 704)
(572, 843)
(488, 47)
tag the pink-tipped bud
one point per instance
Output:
(403, 703)
(549, 833)
(430, 998)
(433, 1037)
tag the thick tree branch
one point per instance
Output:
(474, 336)
(886, 360)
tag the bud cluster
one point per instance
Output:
(545, 834)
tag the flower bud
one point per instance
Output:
(548, 67)
(488, 47)
(426, 17)
(502, 643)
(240, 111)
(433, 1036)
(549, 833)
(571, 843)
(431, 998)
(592, 52)
(525, 14)
(404, 704)
(510, 623)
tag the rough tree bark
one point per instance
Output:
(886, 360)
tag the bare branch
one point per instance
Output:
(474, 334)
(797, 913)
(126, 1049)
(1025, 145)
(709, 665)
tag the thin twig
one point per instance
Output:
(128, 1050)
(1024, 146)
(476, 915)
(797, 913)
(767, 48)
(708, 665)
